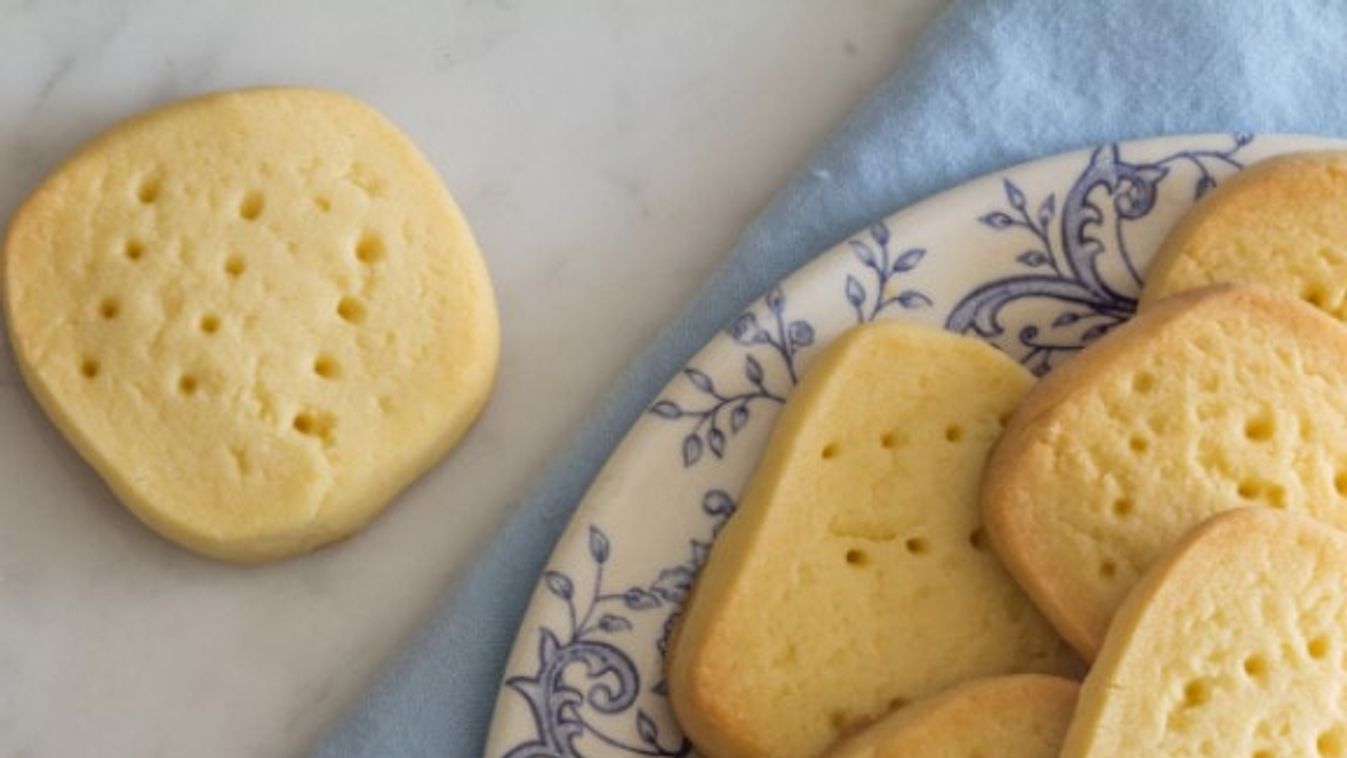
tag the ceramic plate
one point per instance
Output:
(1039, 260)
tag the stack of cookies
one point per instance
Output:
(933, 549)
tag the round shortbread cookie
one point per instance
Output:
(855, 574)
(1019, 716)
(1233, 645)
(258, 315)
(1226, 396)
(1278, 223)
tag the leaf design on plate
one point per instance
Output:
(855, 292)
(718, 503)
(908, 260)
(800, 333)
(645, 727)
(612, 623)
(752, 369)
(639, 599)
(699, 380)
(692, 449)
(1014, 194)
(715, 439)
(862, 251)
(559, 584)
(776, 300)
(666, 409)
(1033, 258)
(673, 583)
(913, 299)
(738, 417)
(880, 232)
(598, 544)
(1046, 209)
(997, 220)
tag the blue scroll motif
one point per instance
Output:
(565, 706)
(1085, 269)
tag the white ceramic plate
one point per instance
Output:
(1039, 260)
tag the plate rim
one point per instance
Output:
(591, 504)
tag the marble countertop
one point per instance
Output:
(598, 146)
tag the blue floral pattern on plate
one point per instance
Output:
(783, 337)
(611, 681)
(1039, 260)
(1070, 271)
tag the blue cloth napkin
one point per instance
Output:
(990, 83)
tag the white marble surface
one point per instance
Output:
(607, 152)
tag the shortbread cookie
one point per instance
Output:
(1019, 716)
(258, 314)
(1279, 223)
(855, 575)
(1231, 646)
(1221, 397)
